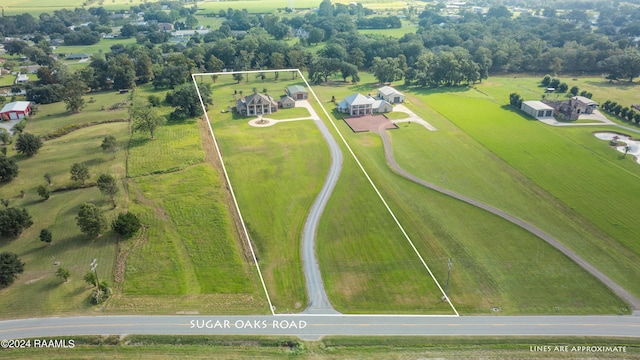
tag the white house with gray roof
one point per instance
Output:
(357, 104)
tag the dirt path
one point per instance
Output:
(633, 301)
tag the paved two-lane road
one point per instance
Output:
(316, 326)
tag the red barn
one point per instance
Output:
(15, 110)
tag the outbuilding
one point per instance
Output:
(15, 110)
(537, 109)
(286, 102)
(297, 92)
(390, 95)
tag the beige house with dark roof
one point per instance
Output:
(256, 104)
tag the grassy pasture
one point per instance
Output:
(35, 8)
(495, 263)
(407, 28)
(55, 116)
(37, 291)
(102, 47)
(487, 273)
(198, 250)
(201, 266)
(7, 80)
(367, 264)
(275, 179)
(179, 196)
(597, 186)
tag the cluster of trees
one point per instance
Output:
(562, 87)
(14, 221)
(10, 267)
(379, 22)
(555, 83)
(82, 36)
(459, 47)
(515, 100)
(624, 112)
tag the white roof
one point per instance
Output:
(378, 103)
(585, 100)
(15, 106)
(537, 105)
(357, 99)
(388, 90)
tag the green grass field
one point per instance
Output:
(15, 7)
(175, 192)
(37, 292)
(478, 241)
(275, 179)
(407, 28)
(102, 47)
(574, 169)
(55, 116)
(203, 266)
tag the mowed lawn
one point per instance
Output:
(495, 264)
(486, 257)
(276, 173)
(573, 167)
(37, 291)
(367, 264)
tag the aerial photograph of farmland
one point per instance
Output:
(320, 179)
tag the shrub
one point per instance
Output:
(126, 224)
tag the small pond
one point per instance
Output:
(627, 141)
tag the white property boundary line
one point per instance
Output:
(354, 157)
(233, 195)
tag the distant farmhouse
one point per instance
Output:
(15, 110)
(21, 79)
(256, 104)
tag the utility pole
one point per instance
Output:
(446, 289)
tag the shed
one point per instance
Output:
(537, 109)
(15, 110)
(297, 92)
(286, 102)
(390, 94)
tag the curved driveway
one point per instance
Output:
(633, 301)
(318, 299)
